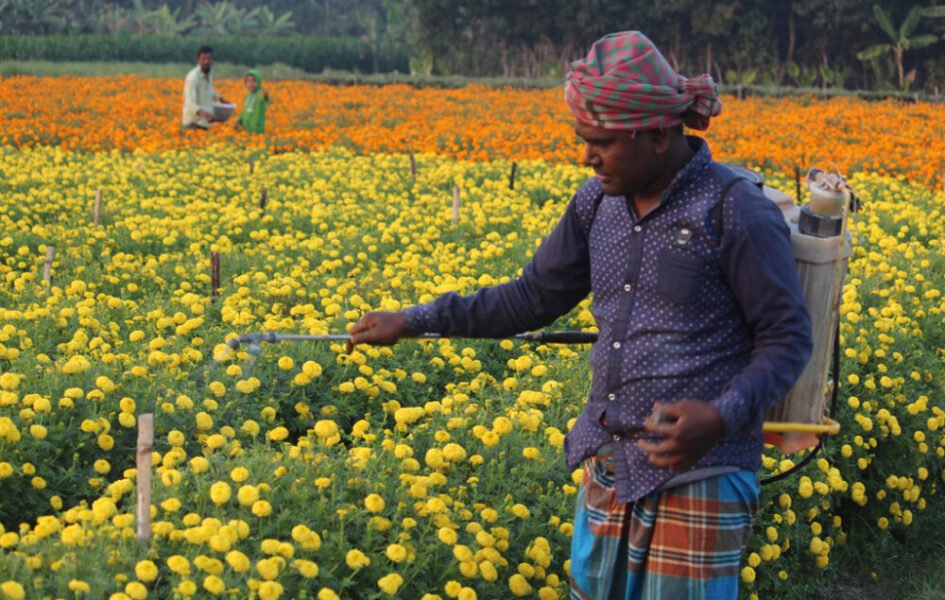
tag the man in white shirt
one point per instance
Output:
(199, 93)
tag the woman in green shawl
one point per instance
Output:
(253, 117)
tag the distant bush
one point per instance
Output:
(312, 54)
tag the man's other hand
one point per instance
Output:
(378, 328)
(689, 430)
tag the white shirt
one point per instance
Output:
(199, 94)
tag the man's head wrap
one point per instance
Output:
(625, 83)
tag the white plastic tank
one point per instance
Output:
(821, 279)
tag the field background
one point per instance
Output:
(431, 469)
(390, 472)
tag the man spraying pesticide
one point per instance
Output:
(702, 324)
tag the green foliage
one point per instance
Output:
(902, 39)
(311, 54)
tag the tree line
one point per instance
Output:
(861, 44)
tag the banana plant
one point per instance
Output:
(901, 39)
(262, 21)
(222, 18)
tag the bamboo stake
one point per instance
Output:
(413, 165)
(263, 196)
(47, 266)
(512, 177)
(143, 475)
(214, 275)
(456, 201)
(252, 166)
(97, 210)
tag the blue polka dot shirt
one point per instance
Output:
(688, 308)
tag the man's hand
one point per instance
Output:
(378, 328)
(206, 116)
(689, 430)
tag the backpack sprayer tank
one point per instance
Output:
(822, 247)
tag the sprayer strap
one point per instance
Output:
(718, 213)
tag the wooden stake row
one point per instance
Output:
(143, 475)
(47, 266)
(97, 210)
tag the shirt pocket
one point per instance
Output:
(680, 275)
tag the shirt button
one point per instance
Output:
(611, 396)
(637, 228)
(616, 344)
(627, 287)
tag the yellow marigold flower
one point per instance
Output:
(396, 553)
(748, 575)
(12, 590)
(76, 364)
(488, 571)
(238, 561)
(462, 553)
(248, 386)
(286, 363)
(355, 559)
(311, 369)
(78, 586)
(220, 493)
(306, 568)
(247, 495)
(178, 564)
(270, 590)
(326, 429)
(519, 585)
(520, 510)
(187, 588)
(390, 583)
(447, 536)
(278, 434)
(136, 590)
(146, 571)
(374, 503)
(261, 508)
(204, 421)
(454, 452)
(214, 585)
(327, 594)
(453, 588)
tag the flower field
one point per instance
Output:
(433, 469)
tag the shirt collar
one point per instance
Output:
(699, 161)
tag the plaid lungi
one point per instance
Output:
(681, 542)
